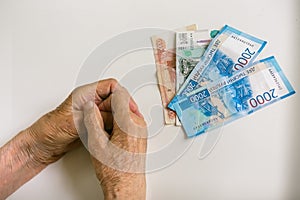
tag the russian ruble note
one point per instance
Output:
(190, 46)
(230, 51)
(165, 59)
(229, 98)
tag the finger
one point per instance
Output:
(106, 87)
(92, 117)
(134, 108)
(108, 121)
(98, 142)
(93, 121)
(122, 115)
(105, 105)
(97, 91)
(123, 100)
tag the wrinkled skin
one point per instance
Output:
(56, 132)
(119, 157)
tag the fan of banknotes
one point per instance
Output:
(210, 78)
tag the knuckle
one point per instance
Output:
(113, 81)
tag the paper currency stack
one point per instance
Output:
(210, 78)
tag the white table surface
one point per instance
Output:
(43, 45)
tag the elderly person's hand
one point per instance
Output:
(54, 134)
(119, 157)
(57, 131)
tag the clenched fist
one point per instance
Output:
(119, 156)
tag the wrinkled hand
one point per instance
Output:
(119, 157)
(56, 132)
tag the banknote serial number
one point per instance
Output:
(243, 60)
(263, 98)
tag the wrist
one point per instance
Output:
(53, 135)
(39, 148)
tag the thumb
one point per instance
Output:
(93, 121)
(124, 119)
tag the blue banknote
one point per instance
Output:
(229, 98)
(230, 51)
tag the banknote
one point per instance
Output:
(230, 51)
(190, 46)
(165, 59)
(229, 98)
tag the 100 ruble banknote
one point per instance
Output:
(165, 59)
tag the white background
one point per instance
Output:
(44, 43)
